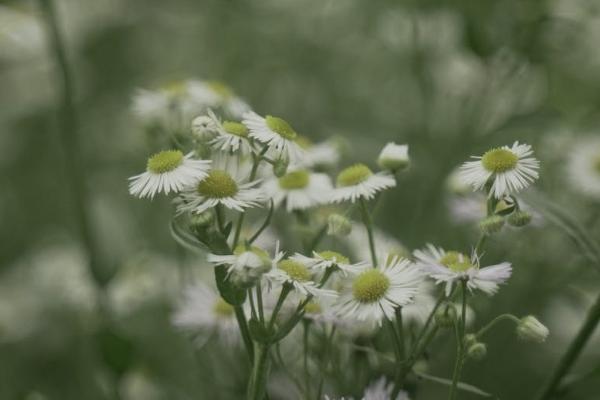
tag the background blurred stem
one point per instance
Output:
(569, 358)
(68, 132)
(366, 217)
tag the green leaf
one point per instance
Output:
(462, 386)
(184, 238)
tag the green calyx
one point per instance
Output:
(165, 161)
(281, 127)
(353, 175)
(222, 308)
(263, 255)
(499, 160)
(334, 255)
(456, 261)
(296, 270)
(235, 128)
(370, 286)
(218, 184)
(294, 180)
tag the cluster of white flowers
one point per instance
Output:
(254, 161)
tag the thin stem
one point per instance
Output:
(328, 346)
(317, 239)
(458, 365)
(306, 331)
(285, 290)
(220, 218)
(366, 217)
(430, 318)
(575, 348)
(400, 327)
(70, 140)
(395, 340)
(243, 325)
(493, 322)
(259, 300)
(265, 223)
(252, 306)
(257, 384)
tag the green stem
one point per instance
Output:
(493, 322)
(328, 347)
(285, 290)
(242, 324)
(306, 331)
(573, 352)
(259, 300)
(400, 327)
(220, 219)
(265, 223)
(70, 140)
(258, 380)
(458, 365)
(366, 217)
(317, 239)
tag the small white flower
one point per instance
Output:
(168, 171)
(452, 266)
(394, 157)
(219, 187)
(203, 127)
(323, 260)
(251, 258)
(296, 273)
(275, 133)
(511, 169)
(376, 292)
(382, 390)
(231, 136)
(325, 154)
(358, 181)
(299, 189)
(583, 167)
(203, 312)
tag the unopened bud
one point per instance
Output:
(338, 225)
(446, 315)
(491, 225)
(203, 127)
(280, 168)
(394, 157)
(531, 329)
(477, 351)
(201, 220)
(519, 218)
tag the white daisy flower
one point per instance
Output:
(203, 312)
(323, 260)
(243, 258)
(382, 390)
(510, 169)
(277, 134)
(296, 273)
(452, 266)
(376, 292)
(231, 136)
(219, 187)
(358, 181)
(168, 171)
(325, 154)
(394, 157)
(583, 167)
(299, 189)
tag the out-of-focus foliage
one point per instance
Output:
(450, 78)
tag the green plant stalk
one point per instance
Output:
(573, 352)
(305, 334)
(460, 356)
(258, 380)
(240, 316)
(69, 137)
(400, 327)
(493, 322)
(368, 222)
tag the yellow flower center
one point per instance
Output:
(218, 184)
(165, 161)
(294, 180)
(353, 175)
(370, 286)
(296, 270)
(456, 261)
(223, 309)
(235, 128)
(499, 160)
(334, 255)
(281, 127)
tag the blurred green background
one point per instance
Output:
(450, 78)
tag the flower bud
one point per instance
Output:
(201, 221)
(491, 225)
(530, 329)
(477, 351)
(338, 225)
(394, 157)
(446, 315)
(519, 218)
(280, 168)
(203, 127)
